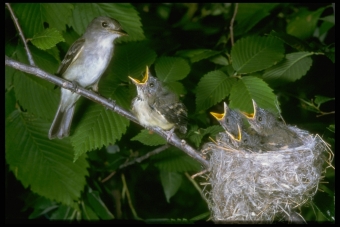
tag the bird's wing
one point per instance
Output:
(71, 55)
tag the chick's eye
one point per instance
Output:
(260, 118)
(227, 120)
(151, 85)
(104, 24)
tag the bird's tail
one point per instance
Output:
(62, 123)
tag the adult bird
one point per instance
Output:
(84, 63)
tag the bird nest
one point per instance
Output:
(260, 187)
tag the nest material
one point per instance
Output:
(259, 187)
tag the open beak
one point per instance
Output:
(239, 136)
(144, 80)
(251, 116)
(221, 116)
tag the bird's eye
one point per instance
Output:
(104, 24)
(227, 120)
(151, 85)
(260, 118)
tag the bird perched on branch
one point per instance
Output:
(276, 133)
(83, 64)
(239, 136)
(155, 105)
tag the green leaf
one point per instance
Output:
(256, 53)
(303, 23)
(321, 99)
(292, 41)
(331, 128)
(44, 165)
(220, 60)
(176, 87)
(41, 206)
(249, 14)
(170, 69)
(175, 160)
(98, 127)
(131, 59)
(196, 55)
(125, 13)
(195, 135)
(292, 68)
(98, 206)
(171, 181)
(87, 213)
(47, 38)
(212, 88)
(65, 213)
(10, 102)
(249, 88)
(32, 16)
(149, 138)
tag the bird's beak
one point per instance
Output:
(239, 136)
(218, 116)
(144, 80)
(122, 32)
(251, 116)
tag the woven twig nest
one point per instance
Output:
(258, 187)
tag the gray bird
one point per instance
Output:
(240, 136)
(155, 105)
(84, 63)
(276, 134)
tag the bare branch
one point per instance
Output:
(142, 158)
(15, 20)
(232, 25)
(109, 104)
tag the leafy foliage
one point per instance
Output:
(282, 56)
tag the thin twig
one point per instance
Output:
(232, 25)
(107, 103)
(142, 158)
(196, 186)
(129, 198)
(15, 20)
(139, 159)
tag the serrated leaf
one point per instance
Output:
(175, 160)
(34, 94)
(293, 67)
(32, 16)
(292, 41)
(44, 165)
(171, 181)
(256, 53)
(321, 99)
(176, 87)
(249, 14)
(249, 88)
(212, 88)
(125, 13)
(196, 55)
(47, 38)
(149, 138)
(169, 69)
(196, 135)
(303, 23)
(98, 205)
(131, 59)
(98, 127)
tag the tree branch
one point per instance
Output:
(15, 20)
(232, 25)
(109, 104)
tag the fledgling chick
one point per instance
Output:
(276, 134)
(239, 136)
(155, 105)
